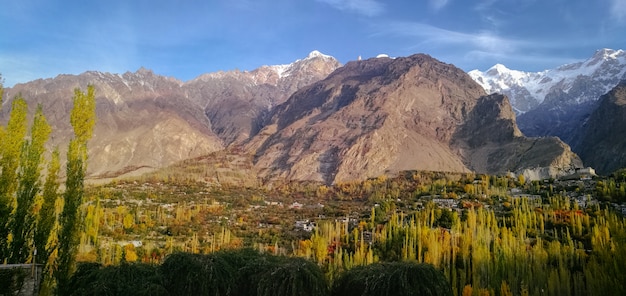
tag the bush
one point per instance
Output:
(283, 276)
(193, 274)
(397, 278)
(124, 279)
(240, 272)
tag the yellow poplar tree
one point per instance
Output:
(82, 118)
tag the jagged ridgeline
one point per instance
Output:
(386, 115)
(309, 120)
(562, 101)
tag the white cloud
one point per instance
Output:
(437, 5)
(364, 7)
(618, 10)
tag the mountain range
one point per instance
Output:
(559, 102)
(315, 119)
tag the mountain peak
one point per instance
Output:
(144, 71)
(498, 69)
(317, 54)
(607, 53)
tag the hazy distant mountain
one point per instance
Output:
(602, 144)
(384, 115)
(557, 102)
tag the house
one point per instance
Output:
(446, 203)
(581, 174)
(296, 205)
(305, 225)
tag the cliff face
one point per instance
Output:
(602, 144)
(491, 142)
(385, 115)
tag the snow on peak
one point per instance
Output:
(498, 68)
(528, 89)
(607, 53)
(281, 70)
(317, 54)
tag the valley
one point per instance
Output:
(378, 160)
(355, 223)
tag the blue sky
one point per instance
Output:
(185, 38)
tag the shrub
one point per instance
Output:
(397, 278)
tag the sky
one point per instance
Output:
(186, 38)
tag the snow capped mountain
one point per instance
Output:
(557, 102)
(286, 70)
(574, 83)
(274, 74)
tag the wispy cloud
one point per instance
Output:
(470, 49)
(428, 35)
(364, 7)
(618, 10)
(437, 5)
(484, 4)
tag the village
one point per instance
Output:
(156, 214)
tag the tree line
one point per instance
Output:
(533, 248)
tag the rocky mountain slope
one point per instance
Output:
(236, 102)
(147, 121)
(602, 144)
(308, 120)
(556, 102)
(384, 115)
(143, 120)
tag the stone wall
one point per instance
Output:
(32, 279)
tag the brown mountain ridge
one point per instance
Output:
(310, 120)
(385, 115)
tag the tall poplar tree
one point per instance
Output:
(47, 217)
(23, 219)
(11, 143)
(82, 118)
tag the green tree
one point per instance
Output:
(82, 118)
(396, 278)
(123, 279)
(23, 220)
(11, 143)
(47, 217)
